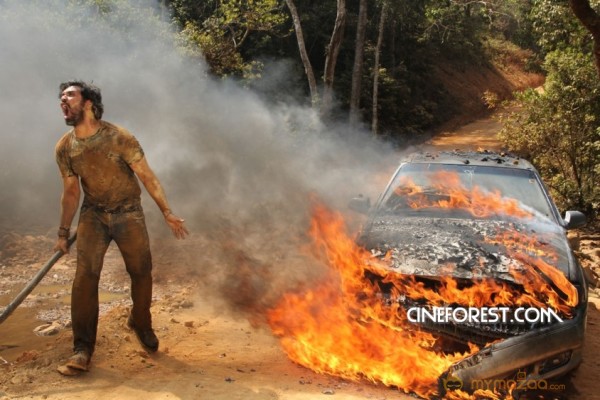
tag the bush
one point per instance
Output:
(559, 130)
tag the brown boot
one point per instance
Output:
(146, 337)
(79, 361)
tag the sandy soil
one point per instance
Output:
(475, 135)
(205, 353)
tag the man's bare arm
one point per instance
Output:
(154, 188)
(69, 202)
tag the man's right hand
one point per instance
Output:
(62, 245)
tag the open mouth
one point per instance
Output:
(65, 109)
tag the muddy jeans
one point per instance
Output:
(95, 231)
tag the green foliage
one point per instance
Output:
(184, 11)
(456, 26)
(559, 130)
(243, 16)
(210, 44)
(219, 35)
(418, 34)
(446, 22)
(511, 21)
(555, 27)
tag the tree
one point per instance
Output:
(375, 117)
(241, 17)
(331, 55)
(221, 34)
(333, 51)
(358, 62)
(312, 82)
(421, 38)
(591, 20)
(559, 130)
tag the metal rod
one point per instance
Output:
(35, 281)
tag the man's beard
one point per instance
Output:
(75, 118)
(74, 115)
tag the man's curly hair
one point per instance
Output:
(89, 92)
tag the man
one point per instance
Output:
(106, 159)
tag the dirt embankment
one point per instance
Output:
(477, 90)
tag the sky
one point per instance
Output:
(231, 160)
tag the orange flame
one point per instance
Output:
(477, 201)
(343, 327)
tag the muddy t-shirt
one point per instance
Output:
(102, 162)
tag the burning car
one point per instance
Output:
(470, 248)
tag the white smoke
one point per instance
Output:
(213, 144)
(227, 156)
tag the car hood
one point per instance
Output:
(462, 248)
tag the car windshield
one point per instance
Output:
(485, 192)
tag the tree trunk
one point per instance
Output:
(333, 51)
(358, 63)
(312, 82)
(375, 118)
(591, 20)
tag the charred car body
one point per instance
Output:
(477, 218)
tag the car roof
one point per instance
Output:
(459, 157)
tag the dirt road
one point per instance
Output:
(205, 353)
(475, 135)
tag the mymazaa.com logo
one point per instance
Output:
(520, 383)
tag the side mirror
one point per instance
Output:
(574, 219)
(360, 204)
